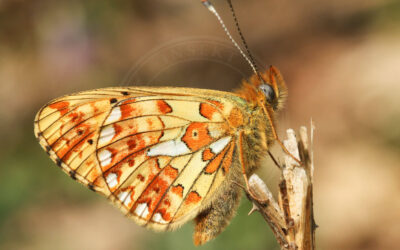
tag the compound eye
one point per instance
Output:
(268, 92)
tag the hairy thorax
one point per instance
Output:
(257, 137)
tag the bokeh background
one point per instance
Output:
(341, 61)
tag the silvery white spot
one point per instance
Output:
(104, 157)
(106, 134)
(114, 116)
(112, 180)
(142, 210)
(125, 198)
(219, 145)
(169, 148)
(157, 217)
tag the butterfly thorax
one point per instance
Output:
(257, 138)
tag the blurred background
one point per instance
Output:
(341, 62)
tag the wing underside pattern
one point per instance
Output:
(156, 154)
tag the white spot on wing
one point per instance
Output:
(142, 210)
(106, 135)
(219, 145)
(114, 116)
(112, 180)
(104, 157)
(157, 217)
(125, 198)
(169, 148)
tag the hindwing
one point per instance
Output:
(157, 154)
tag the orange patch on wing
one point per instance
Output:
(166, 202)
(196, 136)
(171, 172)
(178, 190)
(141, 177)
(236, 118)
(207, 110)
(207, 154)
(159, 185)
(137, 143)
(164, 107)
(117, 130)
(192, 198)
(93, 105)
(218, 104)
(226, 164)
(77, 117)
(131, 162)
(150, 123)
(62, 107)
(154, 169)
(127, 109)
(214, 164)
(166, 216)
(131, 144)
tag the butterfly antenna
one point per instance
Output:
(242, 38)
(211, 8)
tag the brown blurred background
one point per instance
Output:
(341, 61)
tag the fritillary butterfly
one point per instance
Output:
(165, 155)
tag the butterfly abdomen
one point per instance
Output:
(212, 221)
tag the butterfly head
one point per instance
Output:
(272, 91)
(265, 89)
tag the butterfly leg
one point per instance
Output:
(211, 222)
(276, 79)
(278, 140)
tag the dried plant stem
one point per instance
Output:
(291, 218)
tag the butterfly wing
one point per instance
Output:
(157, 154)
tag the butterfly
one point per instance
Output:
(165, 155)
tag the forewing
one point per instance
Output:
(155, 153)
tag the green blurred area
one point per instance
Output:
(48, 49)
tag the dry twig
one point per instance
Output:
(291, 218)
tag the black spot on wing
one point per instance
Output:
(91, 186)
(72, 174)
(58, 162)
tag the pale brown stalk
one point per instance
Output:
(291, 216)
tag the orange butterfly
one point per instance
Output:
(166, 155)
